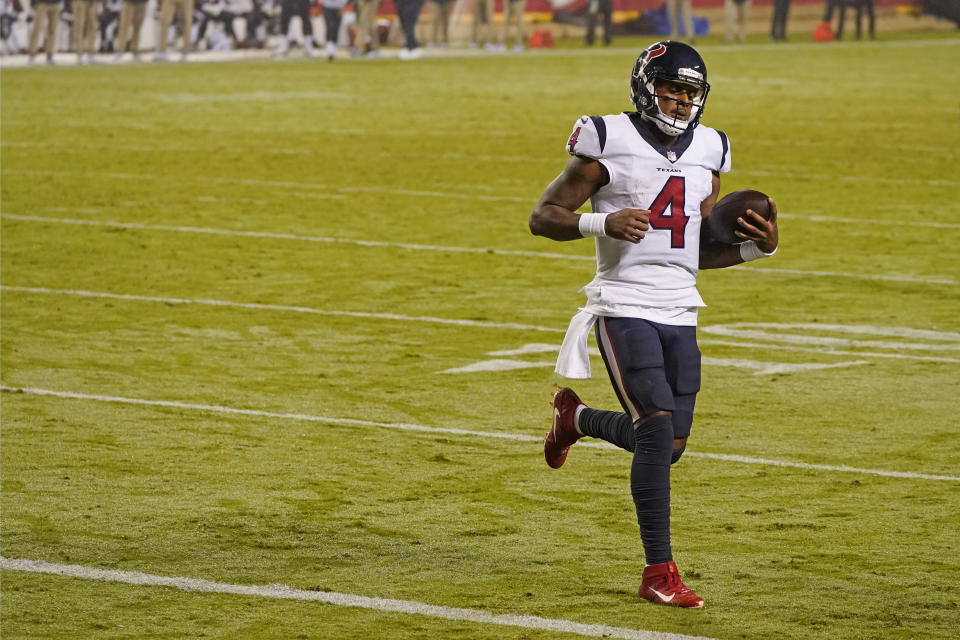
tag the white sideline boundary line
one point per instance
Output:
(284, 592)
(444, 248)
(450, 321)
(517, 437)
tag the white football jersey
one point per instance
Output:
(658, 275)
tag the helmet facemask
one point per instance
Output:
(675, 125)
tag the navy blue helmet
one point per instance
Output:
(675, 62)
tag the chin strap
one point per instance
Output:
(661, 122)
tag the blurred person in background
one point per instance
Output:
(66, 22)
(204, 12)
(594, 10)
(441, 10)
(332, 14)
(132, 13)
(225, 13)
(778, 29)
(290, 9)
(257, 18)
(866, 6)
(482, 29)
(84, 29)
(736, 24)
(860, 7)
(681, 12)
(233, 9)
(829, 9)
(9, 17)
(183, 9)
(513, 11)
(46, 15)
(408, 11)
(367, 39)
(109, 23)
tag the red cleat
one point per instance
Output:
(662, 585)
(563, 433)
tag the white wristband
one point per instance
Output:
(750, 251)
(593, 225)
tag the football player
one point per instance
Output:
(290, 9)
(652, 176)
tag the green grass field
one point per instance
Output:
(254, 319)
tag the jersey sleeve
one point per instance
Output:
(725, 161)
(588, 137)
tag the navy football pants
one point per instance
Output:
(653, 367)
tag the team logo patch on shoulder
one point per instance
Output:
(572, 142)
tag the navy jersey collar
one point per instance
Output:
(647, 132)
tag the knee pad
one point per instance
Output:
(654, 436)
(676, 454)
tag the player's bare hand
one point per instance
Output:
(628, 224)
(766, 233)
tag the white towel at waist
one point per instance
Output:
(574, 360)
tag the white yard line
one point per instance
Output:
(283, 592)
(826, 350)
(278, 307)
(250, 96)
(899, 224)
(860, 276)
(302, 151)
(546, 160)
(331, 189)
(446, 248)
(300, 238)
(758, 368)
(171, 404)
(781, 172)
(797, 174)
(431, 319)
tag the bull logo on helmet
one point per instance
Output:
(656, 52)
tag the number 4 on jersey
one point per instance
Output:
(666, 212)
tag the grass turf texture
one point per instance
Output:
(454, 152)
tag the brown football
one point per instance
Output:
(722, 221)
